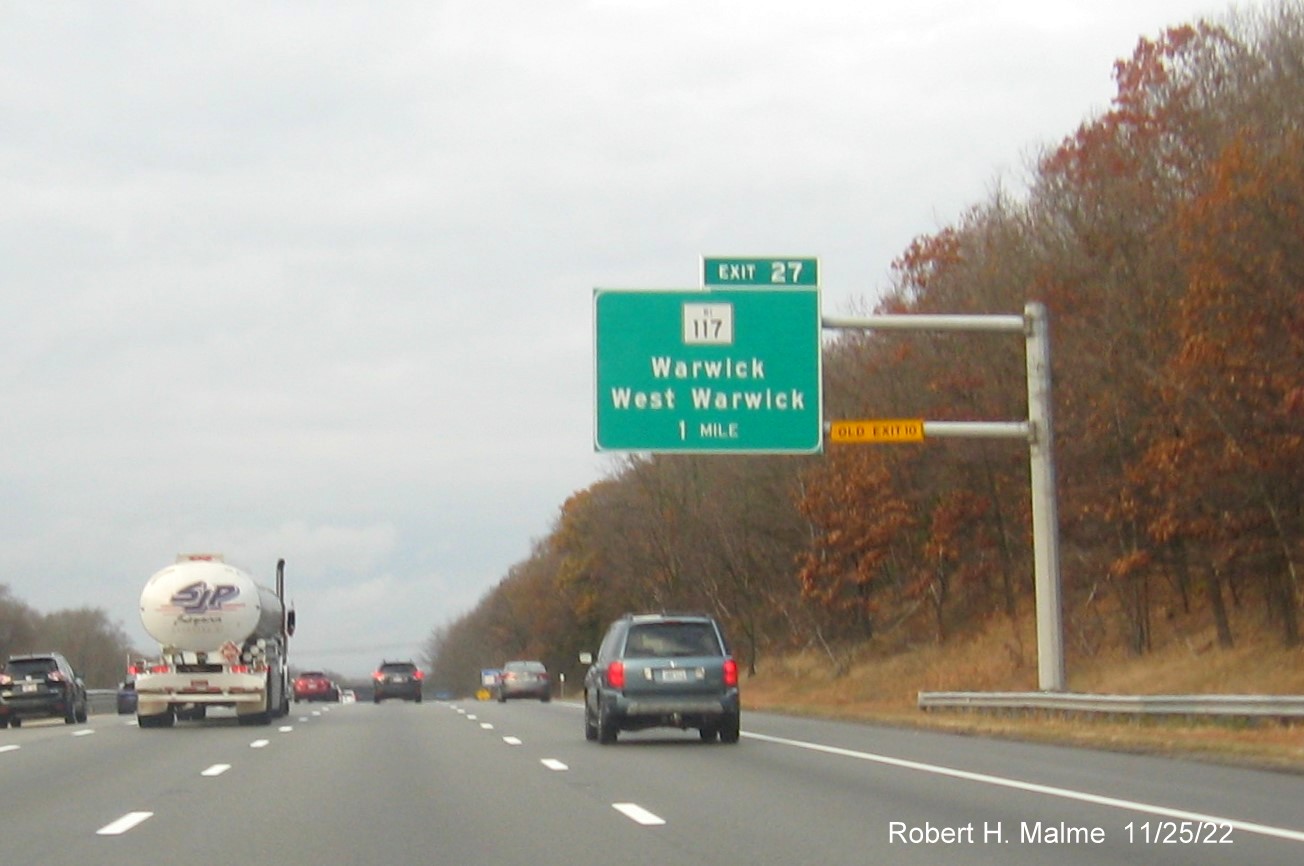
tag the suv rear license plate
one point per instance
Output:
(29, 687)
(674, 675)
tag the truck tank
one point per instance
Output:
(200, 603)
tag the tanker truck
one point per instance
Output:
(223, 639)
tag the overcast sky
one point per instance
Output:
(314, 280)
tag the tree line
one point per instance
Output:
(96, 647)
(1165, 236)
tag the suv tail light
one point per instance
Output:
(419, 674)
(730, 672)
(616, 675)
(54, 677)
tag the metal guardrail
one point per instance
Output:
(1283, 706)
(101, 701)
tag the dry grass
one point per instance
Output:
(883, 686)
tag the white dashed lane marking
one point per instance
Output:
(123, 824)
(637, 813)
(216, 770)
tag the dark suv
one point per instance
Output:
(40, 686)
(662, 670)
(397, 680)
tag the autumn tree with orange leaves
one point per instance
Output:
(1225, 475)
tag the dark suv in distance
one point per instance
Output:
(397, 680)
(662, 670)
(40, 686)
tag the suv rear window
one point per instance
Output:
(672, 639)
(398, 668)
(19, 668)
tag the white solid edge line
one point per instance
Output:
(9, 748)
(637, 813)
(123, 824)
(1048, 790)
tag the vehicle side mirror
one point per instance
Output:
(586, 658)
(290, 619)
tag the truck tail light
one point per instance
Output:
(616, 675)
(730, 673)
(160, 668)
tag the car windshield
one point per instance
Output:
(671, 639)
(20, 668)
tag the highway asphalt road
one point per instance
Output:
(504, 784)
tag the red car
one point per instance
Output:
(315, 686)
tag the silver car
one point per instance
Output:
(524, 679)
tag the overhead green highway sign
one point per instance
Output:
(707, 371)
(762, 271)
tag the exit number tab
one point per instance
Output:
(770, 271)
